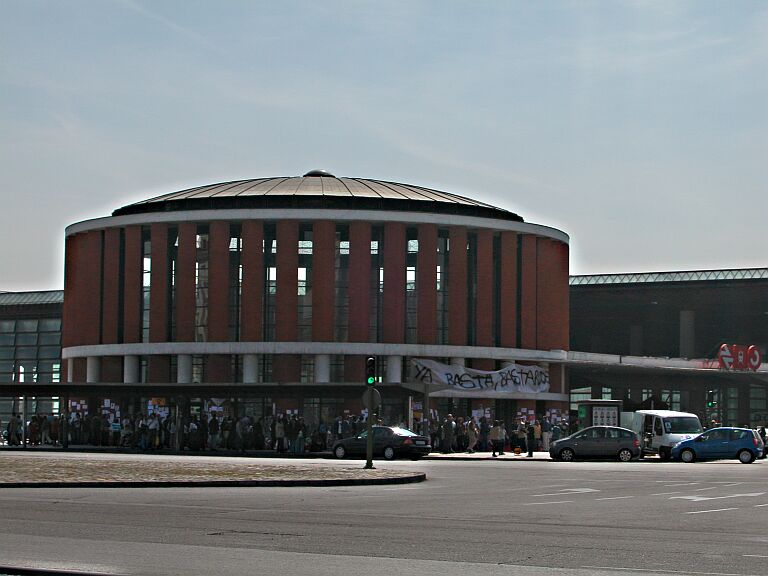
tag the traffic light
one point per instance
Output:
(370, 370)
(711, 402)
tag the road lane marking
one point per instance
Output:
(542, 503)
(568, 492)
(683, 572)
(754, 556)
(760, 505)
(703, 498)
(706, 511)
(615, 498)
(702, 489)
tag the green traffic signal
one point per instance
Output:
(370, 370)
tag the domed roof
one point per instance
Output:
(317, 189)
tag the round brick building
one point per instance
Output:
(266, 296)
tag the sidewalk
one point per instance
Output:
(85, 449)
(508, 456)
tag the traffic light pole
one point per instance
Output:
(369, 446)
(370, 380)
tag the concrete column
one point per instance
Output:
(323, 367)
(250, 368)
(93, 369)
(687, 333)
(394, 369)
(184, 364)
(131, 369)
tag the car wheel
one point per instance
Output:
(389, 453)
(339, 451)
(664, 454)
(688, 456)
(625, 455)
(566, 454)
(746, 457)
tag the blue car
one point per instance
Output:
(721, 444)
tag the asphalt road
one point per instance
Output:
(483, 517)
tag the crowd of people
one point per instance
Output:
(468, 434)
(283, 433)
(211, 431)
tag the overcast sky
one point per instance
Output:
(638, 128)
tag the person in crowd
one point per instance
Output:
(546, 434)
(169, 423)
(537, 438)
(45, 429)
(78, 428)
(301, 434)
(497, 439)
(153, 431)
(213, 432)
(574, 426)
(485, 430)
(13, 430)
(54, 429)
(557, 432)
(292, 432)
(521, 433)
(340, 426)
(449, 430)
(280, 434)
(462, 440)
(226, 430)
(531, 438)
(473, 433)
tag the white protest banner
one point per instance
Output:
(512, 378)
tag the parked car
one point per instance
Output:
(388, 441)
(597, 442)
(721, 444)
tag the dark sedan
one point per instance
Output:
(388, 441)
(597, 442)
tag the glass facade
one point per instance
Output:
(30, 350)
(201, 285)
(304, 284)
(341, 284)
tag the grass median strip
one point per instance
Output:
(19, 469)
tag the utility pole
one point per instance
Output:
(370, 381)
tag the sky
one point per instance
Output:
(638, 128)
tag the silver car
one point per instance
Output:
(597, 442)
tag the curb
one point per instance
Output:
(420, 477)
(167, 452)
(486, 458)
(18, 571)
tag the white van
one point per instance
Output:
(659, 430)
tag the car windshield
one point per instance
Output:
(403, 432)
(682, 425)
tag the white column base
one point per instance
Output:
(93, 369)
(322, 368)
(131, 372)
(394, 369)
(184, 369)
(250, 368)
